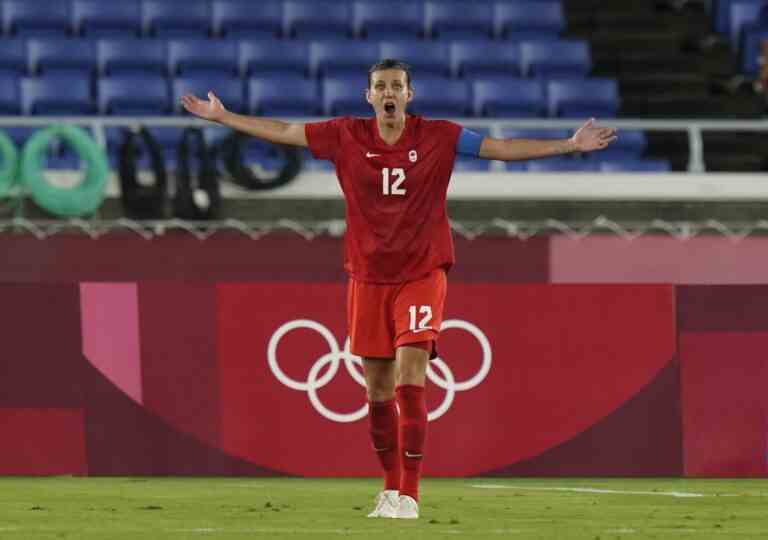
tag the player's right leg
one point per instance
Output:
(382, 413)
(371, 337)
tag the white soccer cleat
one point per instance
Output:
(407, 508)
(386, 504)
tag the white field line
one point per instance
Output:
(597, 490)
(278, 530)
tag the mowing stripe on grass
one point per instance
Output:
(596, 490)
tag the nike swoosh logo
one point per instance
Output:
(368, 154)
(422, 329)
(409, 455)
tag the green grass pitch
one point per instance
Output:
(233, 508)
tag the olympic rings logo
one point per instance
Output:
(335, 356)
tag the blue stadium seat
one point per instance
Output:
(132, 55)
(635, 165)
(230, 91)
(168, 138)
(317, 20)
(62, 157)
(36, 18)
(742, 14)
(482, 59)
(134, 94)
(516, 166)
(283, 95)
(630, 144)
(464, 164)
(425, 58)
(338, 58)
(176, 18)
(517, 133)
(435, 96)
(10, 99)
(274, 57)
(47, 55)
(750, 50)
(19, 135)
(376, 20)
(56, 94)
(459, 20)
(245, 19)
(121, 20)
(199, 56)
(528, 20)
(582, 98)
(560, 165)
(345, 96)
(555, 58)
(721, 14)
(13, 56)
(508, 97)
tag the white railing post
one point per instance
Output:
(99, 135)
(695, 150)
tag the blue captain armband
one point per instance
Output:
(469, 143)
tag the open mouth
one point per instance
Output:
(389, 108)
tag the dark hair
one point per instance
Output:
(390, 63)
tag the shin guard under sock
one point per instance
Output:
(384, 436)
(413, 430)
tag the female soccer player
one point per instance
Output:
(394, 170)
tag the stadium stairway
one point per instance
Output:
(669, 66)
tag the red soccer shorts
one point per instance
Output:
(382, 317)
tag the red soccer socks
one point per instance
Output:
(383, 418)
(413, 431)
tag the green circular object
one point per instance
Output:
(9, 162)
(79, 200)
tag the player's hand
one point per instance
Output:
(210, 109)
(588, 137)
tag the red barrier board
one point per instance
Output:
(42, 441)
(522, 370)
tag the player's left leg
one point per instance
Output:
(412, 360)
(418, 314)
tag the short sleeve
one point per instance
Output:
(451, 132)
(323, 138)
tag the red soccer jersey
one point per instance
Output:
(397, 225)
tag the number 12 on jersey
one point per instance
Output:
(391, 180)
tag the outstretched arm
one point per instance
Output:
(270, 130)
(586, 139)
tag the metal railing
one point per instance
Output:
(693, 128)
(309, 230)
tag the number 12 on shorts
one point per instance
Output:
(426, 311)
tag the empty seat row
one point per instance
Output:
(135, 94)
(626, 154)
(557, 58)
(574, 165)
(270, 18)
(549, 165)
